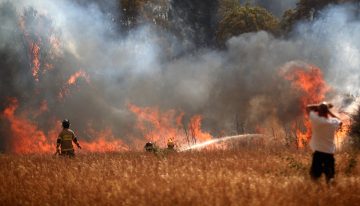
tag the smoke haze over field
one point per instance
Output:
(144, 68)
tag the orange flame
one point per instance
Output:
(310, 84)
(105, 141)
(195, 129)
(159, 126)
(35, 50)
(34, 41)
(81, 73)
(72, 81)
(309, 81)
(25, 135)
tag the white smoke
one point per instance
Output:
(335, 47)
(218, 84)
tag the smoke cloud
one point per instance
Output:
(140, 68)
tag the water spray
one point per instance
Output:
(222, 139)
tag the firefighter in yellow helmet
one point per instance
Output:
(65, 139)
(171, 144)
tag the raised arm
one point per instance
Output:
(333, 115)
(330, 113)
(312, 107)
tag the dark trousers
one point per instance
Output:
(69, 153)
(322, 163)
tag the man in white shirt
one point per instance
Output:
(324, 125)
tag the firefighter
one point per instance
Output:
(150, 147)
(65, 139)
(170, 144)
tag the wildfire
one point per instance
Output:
(105, 141)
(34, 43)
(35, 50)
(26, 137)
(72, 81)
(195, 129)
(26, 134)
(309, 83)
(159, 126)
(81, 73)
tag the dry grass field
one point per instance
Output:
(248, 176)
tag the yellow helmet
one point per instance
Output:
(170, 142)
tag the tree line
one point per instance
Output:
(226, 18)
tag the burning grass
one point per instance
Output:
(247, 176)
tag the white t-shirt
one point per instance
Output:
(323, 130)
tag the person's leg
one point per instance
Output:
(329, 167)
(316, 166)
(71, 153)
(63, 153)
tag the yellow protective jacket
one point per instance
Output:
(65, 139)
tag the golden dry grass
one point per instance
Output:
(238, 177)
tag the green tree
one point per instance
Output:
(236, 19)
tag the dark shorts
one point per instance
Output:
(322, 163)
